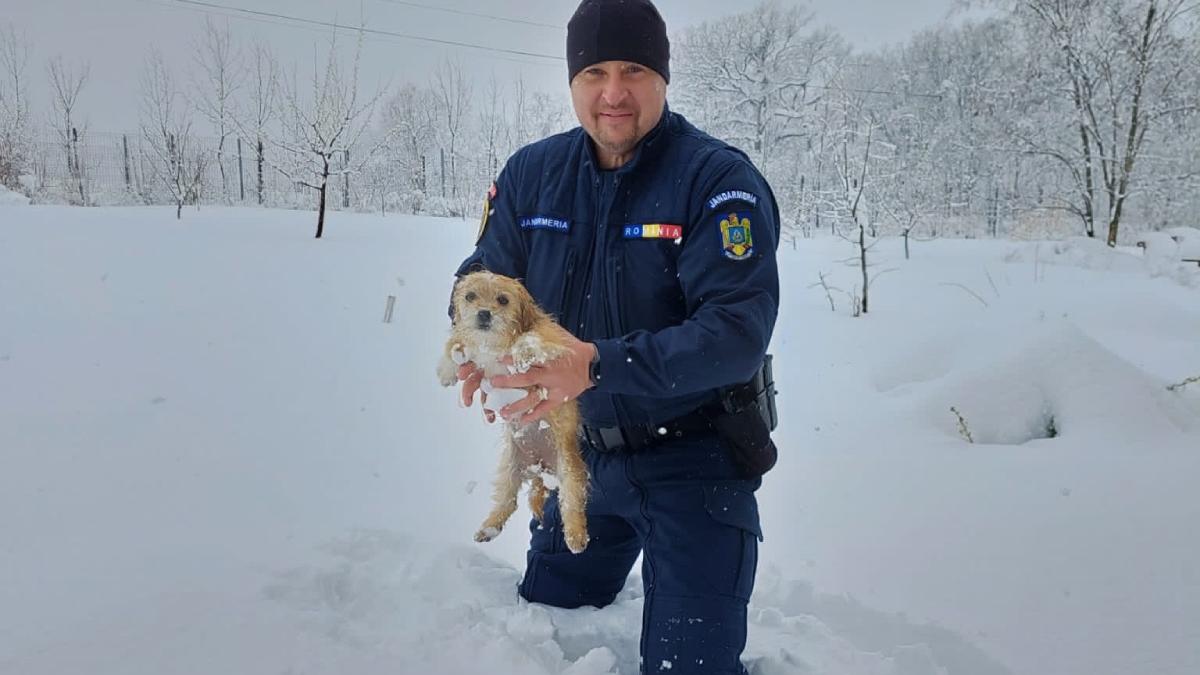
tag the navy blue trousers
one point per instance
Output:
(682, 505)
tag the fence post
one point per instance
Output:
(128, 177)
(346, 176)
(241, 176)
(388, 309)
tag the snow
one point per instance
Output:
(10, 198)
(217, 458)
(498, 398)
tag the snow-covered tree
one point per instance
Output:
(323, 128)
(221, 74)
(166, 126)
(259, 108)
(1116, 68)
(750, 77)
(15, 118)
(412, 114)
(453, 94)
(66, 83)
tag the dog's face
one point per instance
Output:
(496, 307)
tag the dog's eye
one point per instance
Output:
(503, 300)
(470, 297)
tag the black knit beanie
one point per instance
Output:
(617, 30)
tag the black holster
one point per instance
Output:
(746, 418)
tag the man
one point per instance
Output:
(653, 244)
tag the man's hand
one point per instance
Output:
(556, 382)
(472, 378)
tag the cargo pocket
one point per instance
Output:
(738, 510)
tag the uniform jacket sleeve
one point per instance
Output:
(732, 304)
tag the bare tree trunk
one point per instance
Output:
(221, 165)
(321, 212)
(1131, 141)
(862, 258)
(321, 205)
(241, 173)
(1089, 193)
(260, 172)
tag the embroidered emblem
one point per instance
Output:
(731, 196)
(735, 235)
(545, 223)
(653, 231)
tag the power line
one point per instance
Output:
(267, 16)
(318, 28)
(370, 31)
(475, 14)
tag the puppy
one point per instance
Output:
(494, 317)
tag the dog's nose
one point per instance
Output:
(483, 319)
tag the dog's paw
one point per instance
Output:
(486, 534)
(447, 372)
(576, 541)
(528, 351)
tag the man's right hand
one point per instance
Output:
(472, 379)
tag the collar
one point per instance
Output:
(650, 146)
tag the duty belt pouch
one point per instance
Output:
(747, 417)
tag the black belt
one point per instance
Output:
(639, 437)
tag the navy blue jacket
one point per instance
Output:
(667, 264)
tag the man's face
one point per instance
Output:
(617, 103)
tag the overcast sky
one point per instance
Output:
(115, 35)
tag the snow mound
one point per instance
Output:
(1162, 257)
(808, 632)
(1053, 380)
(426, 608)
(1187, 241)
(10, 198)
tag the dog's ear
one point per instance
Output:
(527, 312)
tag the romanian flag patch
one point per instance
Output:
(653, 231)
(736, 239)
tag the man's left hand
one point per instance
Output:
(555, 382)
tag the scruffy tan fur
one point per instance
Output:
(520, 329)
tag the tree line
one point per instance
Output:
(1047, 118)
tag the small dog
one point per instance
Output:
(494, 316)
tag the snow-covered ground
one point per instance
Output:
(215, 457)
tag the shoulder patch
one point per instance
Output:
(731, 196)
(737, 242)
(487, 211)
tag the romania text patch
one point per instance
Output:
(736, 240)
(545, 223)
(653, 231)
(731, 196)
